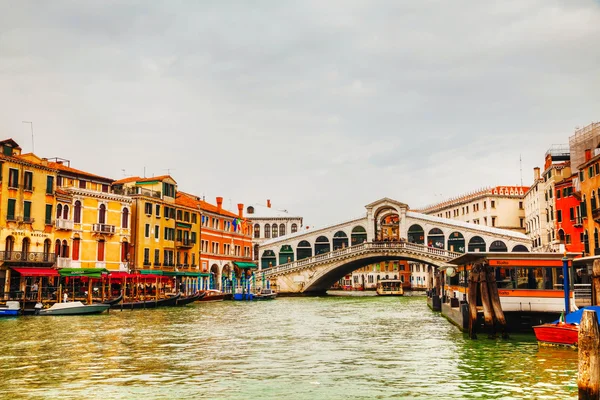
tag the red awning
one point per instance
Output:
(36, 271)
(119, 274)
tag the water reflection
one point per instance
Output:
(298, 348)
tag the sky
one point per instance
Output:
(320, 106)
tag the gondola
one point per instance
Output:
(189, 299)
(113, 301)
(135, 305)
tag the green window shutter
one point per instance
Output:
(26, 211)
(48, 219)
(10, 213)
(50, 185)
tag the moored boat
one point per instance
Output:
(390, 287)
(189, 299)
(265, 294)
(565, 331)
(135, 305)
(11, 309)
(74, 308)
(116, 300)
(212, 295)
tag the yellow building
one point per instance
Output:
(589, 178)
(165, 232)
(26, 206)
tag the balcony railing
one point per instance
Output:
(577, 222)
(63, 262)
(185, 243)
(64, 224)
(27, 257)
(104, 228)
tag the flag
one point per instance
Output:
(561, 320)
(239, 224)
(234, 225)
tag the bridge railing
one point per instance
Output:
(419, 248)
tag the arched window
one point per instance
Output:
(59, 211)
(47, 246)
(65, 249)
(100, 255)
(25, 247)
(596, 245)
(275, 231)
(256, 231)
(125, 218)
(66, 212)
(294, 228)
(57, 247)
(102, 214)
(267, 231)
(77, 212)
(281, 229)
(75, 252)
(125, 252)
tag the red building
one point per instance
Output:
(568, 221)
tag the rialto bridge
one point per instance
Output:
(312, 260)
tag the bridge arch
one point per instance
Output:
(499, 246)
(416, 234)
(268, 259)
(340, 240)
(303, 250)
(476, 243)
(286, 254)
(322, 245)
(436, 238)
(358, 235)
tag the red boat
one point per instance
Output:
(559, 333)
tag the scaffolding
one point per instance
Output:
(585, 138)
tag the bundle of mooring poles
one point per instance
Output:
(482, 285)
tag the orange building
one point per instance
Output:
(225, 241)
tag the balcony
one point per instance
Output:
(64, 224)
(63, 262)
(27, 257)
(185, 243)
(104, 228)
(577, 222)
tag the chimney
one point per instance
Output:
(241, 211)
(219, 204)
(588, 155)
(268, 203)
(536, 173)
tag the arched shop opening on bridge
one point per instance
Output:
(456, 242)
(476, 243)
(387, 226)
(268, 259)
(436, 238)
(358, 235)
(304, 250)
(416, 234)
(286, 254)
(498, 246)
(340, 240)
(322, 245)
(520, 248)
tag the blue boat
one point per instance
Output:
(11, 309)
(575, 316)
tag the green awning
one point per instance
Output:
(192, 274)
(151, 272)
(244, 265)
(173, 273)
(87, 272)
(204, 274)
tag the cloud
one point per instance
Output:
(322, 107)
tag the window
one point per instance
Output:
(590, 172)
(194, 218)
(521, 222)
(77, 212)
(105, 188)
(493, 204)
(267, 231)
(597, 168)
(58, 211)
(75, 251)
(168, 189)
(48, 218)
(28, 181)
(82, 184)
(156, 257)
(13, 178)
(256, 231)
(157, 211)
(156, 232)
(148, 208)
(147, 230)
(27, 211)
(186, 216)
(193, 237)
(10, 213)
(484, 205)
(571, 214)
(66, 212)
(146, 256)
(281, 230)
(558, 194)
(520, 205)
(493, 221)
(559, 216)
(568, 237)
(102, 214)
(179, 213)
(275, 230)
(100, 255)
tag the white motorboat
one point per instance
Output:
(74, 308)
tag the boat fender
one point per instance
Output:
(37, 308)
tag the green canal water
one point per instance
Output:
(291, 348)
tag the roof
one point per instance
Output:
(11, 142)
(519, 191)
(138, 179)
(64, 168)
(469, 258)
(261, 211)
(189, 200)
(461, 224)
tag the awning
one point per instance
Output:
(87, 272)
(119, 274)
(203, 274)
(36, 271)
(244, 265)
(150, 272)
(173, 273)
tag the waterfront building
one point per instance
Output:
(269, 222)
(165, 230)
(225, 242)
(499, 207)
(589, 179)
(366, 278)
(569, 224)
(421, 276)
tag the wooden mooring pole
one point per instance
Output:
(588, 379)
(596, 283)
(472, 300)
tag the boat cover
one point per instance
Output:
(575, 317)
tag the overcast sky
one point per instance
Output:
(320, 106)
